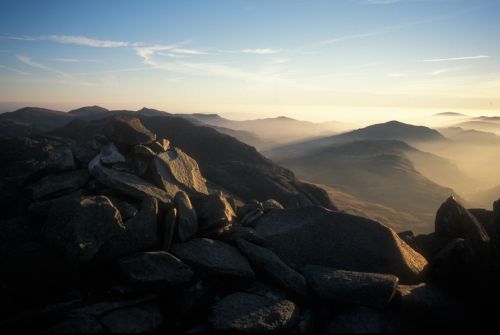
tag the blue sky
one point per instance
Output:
(304, 58)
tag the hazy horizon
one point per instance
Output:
(346, 60)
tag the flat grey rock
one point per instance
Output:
(250, 313)
(315, 235)
(367, 289)
(214, 258)
(158, 267)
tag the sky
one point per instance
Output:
(309, 59)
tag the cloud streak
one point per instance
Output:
(70, 39)
(261, 51)
(456, 58)
(28, 61)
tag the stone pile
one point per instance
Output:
(138, 241)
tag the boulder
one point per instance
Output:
(359, 288)
(141, 233)
(271, 204)
(317, 236)
(250, 313)
(274, 268)
(158, 267)
(214, 258)
(77, 325)
(142, 150)
(251, 217)
(110, 154)
(361, 320)
(127, 183)
(464, 266)
(53, 186)
(496, 212)
(454, 221)
(127, 130)
(187, 220)
(127, 210)
(145, 318)
(213, 210)
(196, 299)
(248, 208)
(428, 301)
(60, 159)
(169, 228)
(235, 233)
(79, 227)
(160, 145)
(174, 167)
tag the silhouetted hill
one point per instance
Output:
(488, 126)
(90, 112)
(378, 171)
(31, 120)
(392, 130)
(234, 166)
(273, 131)
(449, 114)
(470, 136)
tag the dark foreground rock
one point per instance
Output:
(155, 268)
(272, 266)
(214, 258)
(454, 221)
(79, 227)
(250, 313)
(314, 235)
(366, 289)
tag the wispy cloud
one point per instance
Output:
(22, 73)
(443, 71)
(198, 68)
(69, 39)
(261, 51)
(77, 60)
(397, 75)
(456, 58)
(28, 61)
(381, 2)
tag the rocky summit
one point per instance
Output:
(147, 223)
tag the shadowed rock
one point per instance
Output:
(142, 150)
(79, 227)
(136, 319)
(141, 233)
(271, 204)
(453, 220)
(158, 267)
(187, 220)
(249, 313)
(368, 289)
(214, 258)
(361, 320)
(314, 235)
(274, 268)
(52, 186)
(77, 325)
(127, 130)
(429, 301)
(60, 159)
(111, 155)
(213, 210)
(169, 228)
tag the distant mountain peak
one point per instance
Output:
(449, 114)
(89, 110)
